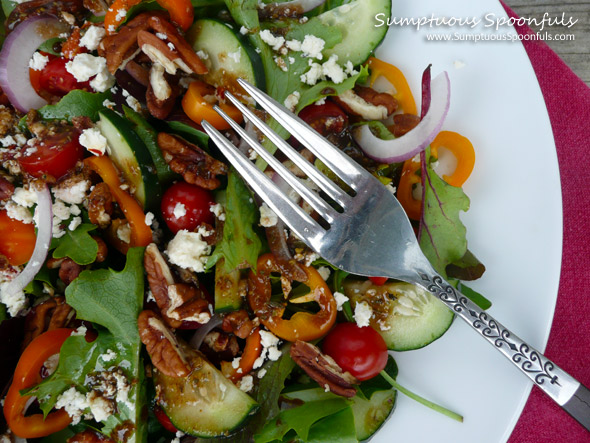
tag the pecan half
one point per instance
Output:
(162, 346)
(100, 205)
(403, 123)
(323, 369)
(239, 323)
(178, 302)
(195, 165)
(69, 271)
(52, 314)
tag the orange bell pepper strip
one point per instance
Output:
(252, 351)
(196, 105)
(181, 12)
(27, 375)
(405, 189)
(302, 325)
(17, 239)
(141, 234)
(463, 151)
(393, 75)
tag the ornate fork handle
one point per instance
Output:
(554, 381)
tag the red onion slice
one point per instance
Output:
(44, 232)
(197, 339)
(415, 141)
(19, 47)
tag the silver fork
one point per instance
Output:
(372, 235)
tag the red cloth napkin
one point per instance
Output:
(568, 103)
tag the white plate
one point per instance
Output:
(514, 225)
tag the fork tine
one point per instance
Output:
(333, 158)
(317, 203)
(294, 217)
(325, 184)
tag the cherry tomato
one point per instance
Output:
(17, 239)
(186, 206)
(164, 420)
(327, 118)
(378, 280)
(54, 155)
(360, 351)
(54, 79)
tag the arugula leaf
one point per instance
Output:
(48, 45)
(442, 234)
(113, 300)
(77, 245)
(110, 298)
(240, 244)
(300, 419)
(7, 7)
(76, 103)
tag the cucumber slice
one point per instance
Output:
(229, 56)
(406, 316)
(356, 21)
(204, 404)
(369, 414)
(227, 295)
(131, 156)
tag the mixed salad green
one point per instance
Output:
(146, 293)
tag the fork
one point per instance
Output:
(370, 234)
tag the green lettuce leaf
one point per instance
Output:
(75, 104)
(301, 419)
(335, 428)
(442, 234)
(113, 300)
(77, 245)
(240, 244)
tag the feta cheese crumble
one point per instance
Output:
(94, 141)
(38, 61)
(85, 66)
(73, 194)
(92, 38)
(217, 209)
(340, 300)
(267, 216)
(271, 40)
(246, 383)
(188, 249)
(362, 314)
(179, 210)
(292, 100)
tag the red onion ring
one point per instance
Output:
(44, 233)
(415, 141)
(18, 48)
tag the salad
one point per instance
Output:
(146, 293)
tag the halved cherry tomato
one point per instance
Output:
(54, 155)
(190, 203)
(379, 281)
(164, 419)
(403, 93)
(252, 351)
(405, 189)
(197, 103)
(17, 239)
(141, 234)
(328, 118)
(56, 80)
(360, 351)
(302, 325)
(26, 375)
(463, 151)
